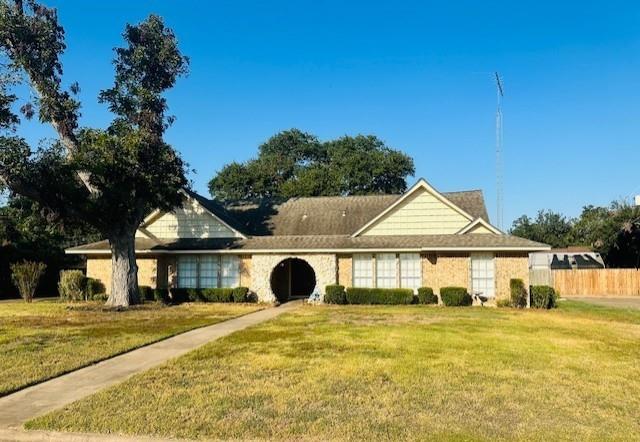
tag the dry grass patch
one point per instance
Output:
(45, 339)
(356, 373)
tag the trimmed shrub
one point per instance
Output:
(455, 296)
(72, 285)
(335, 294)
(146, 293)
(161, 295)
(543, 296)
(26, 275)
(426, 296)
(237, 294)
(218, 295)
(361, 295)
(518, 293)
(240, 294)
(94, 287)
(178, 296)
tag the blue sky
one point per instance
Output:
(416, 74)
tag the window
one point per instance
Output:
(230, 271)
(209, 268)
(187, 271)
(482, 274)
(362, 271)
(410, 271)
(386, 270)
(208, 271)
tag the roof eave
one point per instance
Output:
(325, 250)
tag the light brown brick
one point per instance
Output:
(508, 266)
(100, 269)
(345, 270)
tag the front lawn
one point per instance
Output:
(371, 373)
(44, 339)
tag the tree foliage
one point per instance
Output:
(294, 163)
(31, 232)
(110, 178)
(548, 227)
(612, 231)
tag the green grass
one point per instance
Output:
(44, 339)
(392, 373)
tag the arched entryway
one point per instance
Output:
(292, 278)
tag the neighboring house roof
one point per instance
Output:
(334, 243)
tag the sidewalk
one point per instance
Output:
(17, 408)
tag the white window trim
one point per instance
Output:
(219, 278)
(374, 269)
(493, 263)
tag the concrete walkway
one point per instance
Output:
(17, 408)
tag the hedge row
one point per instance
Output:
(237, 294)
(455, 296)
(360, 295)
(336, 294)
(451, 296)
(426, 296)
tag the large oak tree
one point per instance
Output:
(110, 178)
(294, 163)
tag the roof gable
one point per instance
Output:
(194, 219)
(422, 210)
(479, 226)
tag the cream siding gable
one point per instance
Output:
(420, 213)
(190, 221)
(479, 229)
(479, 226)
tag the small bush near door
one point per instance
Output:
(359, 295)
(335, 294)
(240, 294)
(543, 296)
(426, 296)
(455, 296)
(518, 293)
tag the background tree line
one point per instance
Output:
(29, 232)
(612, 231)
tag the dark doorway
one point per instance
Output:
(292, 278)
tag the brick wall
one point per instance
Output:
(100, 268)
(345, 273)
(443, 270)
(508, 266)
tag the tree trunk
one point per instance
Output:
(124, 271)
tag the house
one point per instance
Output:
(298, 247)
(566, 259)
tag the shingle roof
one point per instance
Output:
(331, 242)
(325, 223)
(334, 215)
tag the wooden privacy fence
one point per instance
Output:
(597, 282)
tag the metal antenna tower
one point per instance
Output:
(499, 189)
